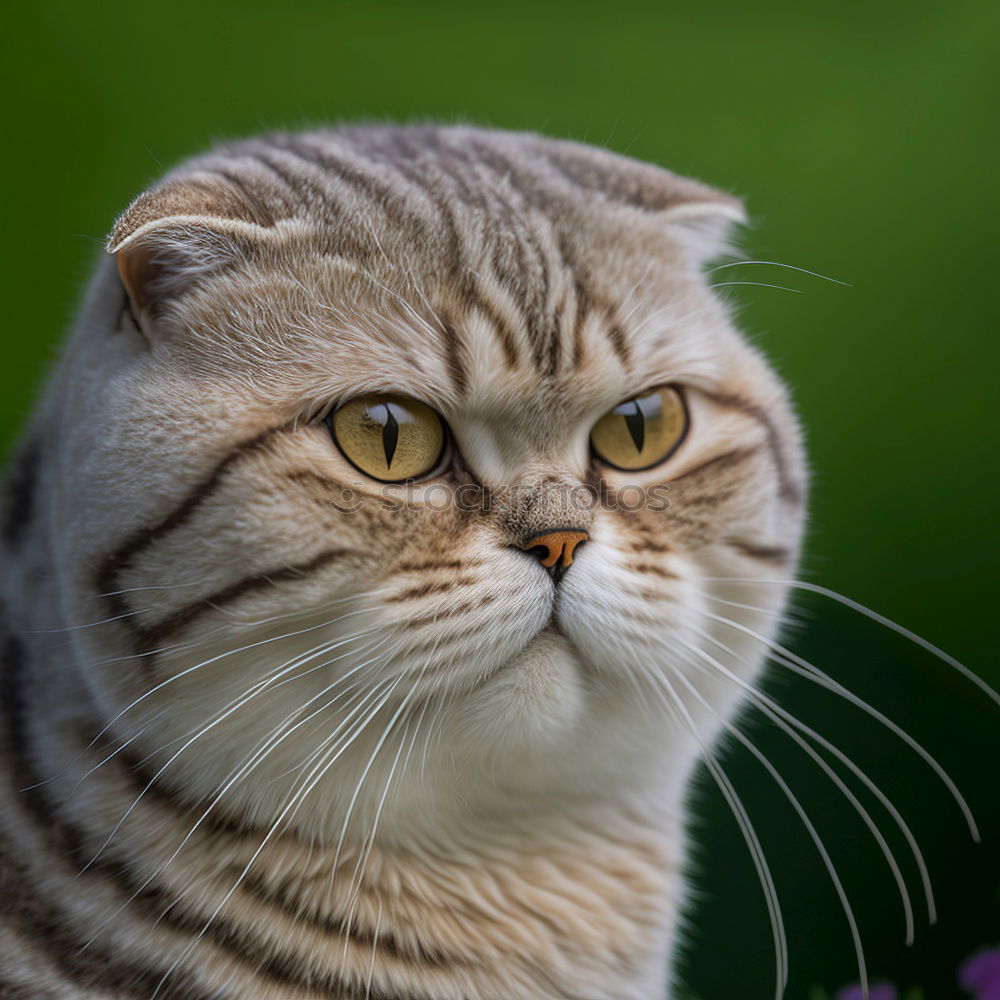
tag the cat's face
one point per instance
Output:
(500, 297)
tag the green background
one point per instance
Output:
(864, 138)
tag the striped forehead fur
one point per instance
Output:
(517, 228)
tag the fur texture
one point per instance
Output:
(306, 741)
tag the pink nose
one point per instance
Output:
(555, 548)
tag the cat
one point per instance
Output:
(404, 520)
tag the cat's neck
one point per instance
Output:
(505, 910)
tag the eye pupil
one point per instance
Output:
(636, 424)
(390, 435)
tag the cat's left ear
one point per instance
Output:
(701, 218)
(705, 227)
(184, 230)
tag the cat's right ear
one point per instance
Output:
(179, 233)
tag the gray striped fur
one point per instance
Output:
(507, 822)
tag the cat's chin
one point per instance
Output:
(535, 698)
(545, 735)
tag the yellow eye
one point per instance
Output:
(390, 438)
(642, 431)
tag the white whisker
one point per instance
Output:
(288, 811)
(215, 659)
(901, 630)
(250, 763)
(774, 263)
(758, 284)
(87, 625)
(746, 827)
(798, 665)
(217, 720)
(784, 721)
(806, 822)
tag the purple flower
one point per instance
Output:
(877, 991)
(980, 974)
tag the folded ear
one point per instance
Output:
(182, 231)
(705, 228)
(700, 217)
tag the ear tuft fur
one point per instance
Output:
(701, 217)
(180, 231)
(705, 228)
(196, 196)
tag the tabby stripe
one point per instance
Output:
(582, 310)
(778, 554)
(653, 570)
(101, 967)
(550, 354)
(555, 337)
(533, 309)
(451, 612)
(16, 735)
(9, 990)
(289, 205)
(121, 558)
(710, 499)
(732, 457)
(585, 305)
(306, 478)
(155, 788)
(377, 191)
(426, 589)
(432, 645)
(582, 298)
(649, 546)
(543, 328)
(536, 198)
(310, 191)
(386, 942)
(420, 567)
(44, 922)
(616, 337)
(465, 281)
(546, 324)
(309, 476)
(467, 290)
(284, 970)
(258, 212)
(473, 297)
(179, 619)
(96, 967)
(788, 490)
(302, 186)
(151, 786)
(21, 491)
(514, 284)
(453, 351)
(498, 323)
(145, 782)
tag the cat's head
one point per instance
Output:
(518, 329)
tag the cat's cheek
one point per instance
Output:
(536, 700)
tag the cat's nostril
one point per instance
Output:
(555, 548)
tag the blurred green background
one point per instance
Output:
(864, 138)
